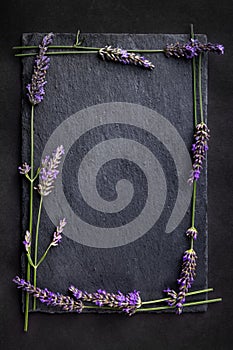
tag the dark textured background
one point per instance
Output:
(211, 330)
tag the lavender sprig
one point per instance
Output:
(127, 303)
(24, 169)
(191, 49)
(186, 279)
(57, 234)
(199, 149)
(118, 55)
(36, 87)
(27, 241)
(50, 298)
(49, 171)
(192, 233)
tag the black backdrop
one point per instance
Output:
(211, 330)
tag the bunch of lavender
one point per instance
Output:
(118, 55)
(191, 49)
(36, 87)
(199, 149)
(127, 303)
(185, 281)
(49, 171)
(50, 298)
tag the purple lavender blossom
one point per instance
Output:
(27, 241)
(172, 296)
(199, 149)
(24, 169)
(127, 303)
(57, 234)
(192, 233)
(191, 49)
(49, 172)
(50, 298)
(119, 55)
(186, 279)
(36, 87)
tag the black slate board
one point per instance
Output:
(142, 122)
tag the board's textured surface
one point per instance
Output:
(123, 187)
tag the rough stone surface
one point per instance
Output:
(151, 262)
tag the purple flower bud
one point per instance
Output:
(50, 298)
(49, 172)
(192, 233)
(126, 302)
(57, 234)
(191, 49)
(27, 241)
(199, 149)
(24, 169)
(118, 55)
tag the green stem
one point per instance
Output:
(78, 52)
(44, 256)
(200, 86)
(194, 202)
(30, 260)
(36, 248)
(194, 83)
(201, 302)
(30, 217)
(188, 294)
(80, 47)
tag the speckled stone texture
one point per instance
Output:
(151, 262)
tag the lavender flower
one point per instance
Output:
(127, 303)
(172, 296)
(57, 234)
(24, 169)
(49, 172)
(50, 298)
(186, 279)
(191, 49)
(199, 149)
(27, 241)
(36, 87)
(192, 233)
(118, 55)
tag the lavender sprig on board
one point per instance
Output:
(191, 49)
(24, 169)
(36, 87)
(186, 279)
(50, 298)
(49, 171)
(199, 149)
(27, 241)
(127, 303)
(118, 55)
(192, 232)
(57, 234)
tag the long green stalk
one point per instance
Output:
(36, 248)
(26, 311)
(201, 302)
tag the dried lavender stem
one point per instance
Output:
(36, 248)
